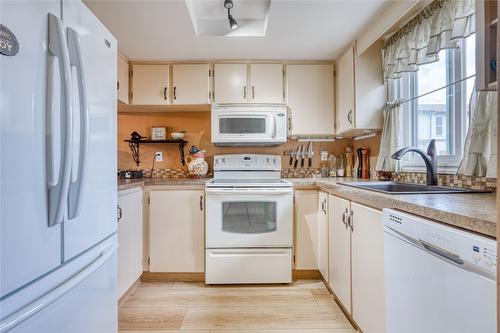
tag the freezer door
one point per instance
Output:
(92, 199)
(84, 302)
(29, 248)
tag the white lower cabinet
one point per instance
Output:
(340, 251)
(306, 229)
(356, 262)
(367, 268)
(177, 231)
(323, 234)
(130, 238)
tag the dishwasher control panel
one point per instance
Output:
(450, 244)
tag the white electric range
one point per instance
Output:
(249, 211)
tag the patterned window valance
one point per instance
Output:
(440, 25)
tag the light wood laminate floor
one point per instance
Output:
(306, 306)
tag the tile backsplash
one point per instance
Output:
(451, 180)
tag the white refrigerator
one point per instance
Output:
(57, 169)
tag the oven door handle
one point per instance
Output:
(247, 191)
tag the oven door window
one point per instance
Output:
(249, 217)
(242, 125)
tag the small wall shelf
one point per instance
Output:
(135, 144)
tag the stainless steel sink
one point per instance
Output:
(407, 188)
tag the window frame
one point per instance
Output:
(456, 95)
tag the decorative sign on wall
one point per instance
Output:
(9, 45)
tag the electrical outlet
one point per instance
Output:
(159, 156)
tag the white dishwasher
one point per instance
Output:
(438, 279)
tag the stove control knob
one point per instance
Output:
(268, 160)
(275, 161)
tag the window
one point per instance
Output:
(435, 104)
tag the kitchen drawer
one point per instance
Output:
(270, 265)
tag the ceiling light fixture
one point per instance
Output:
(228, 4)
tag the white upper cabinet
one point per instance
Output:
(230, 83)
(345, 120)
(266, 83)
(361, 90)
(150, 85)
(310, 90)
(122, 80)
(191, 84)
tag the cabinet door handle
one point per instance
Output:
(344, 218)
(323, 206)
(245, 92)
(165, 93)
(117, 85)
(350, 221)
(201, 202)
(349, 116)
(253, 92)
(175, 88)
(120, 213)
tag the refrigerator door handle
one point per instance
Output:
(41, 303)
(76, 188)
(58, 189)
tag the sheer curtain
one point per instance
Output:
(390, 139)
(440, 25)
(443, 24)
(480, 153)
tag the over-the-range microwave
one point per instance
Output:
(249, 124)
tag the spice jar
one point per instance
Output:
(341, 166)
(332, 165)
(348, 158)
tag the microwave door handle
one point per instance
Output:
(274, 127)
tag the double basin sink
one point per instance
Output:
(407, 188)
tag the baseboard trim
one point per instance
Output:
(297, 274)
(302, 274)
(172, 277)
(129, 291)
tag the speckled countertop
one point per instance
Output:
(474, 212)
(124, 184)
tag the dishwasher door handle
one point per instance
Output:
(442, 252)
